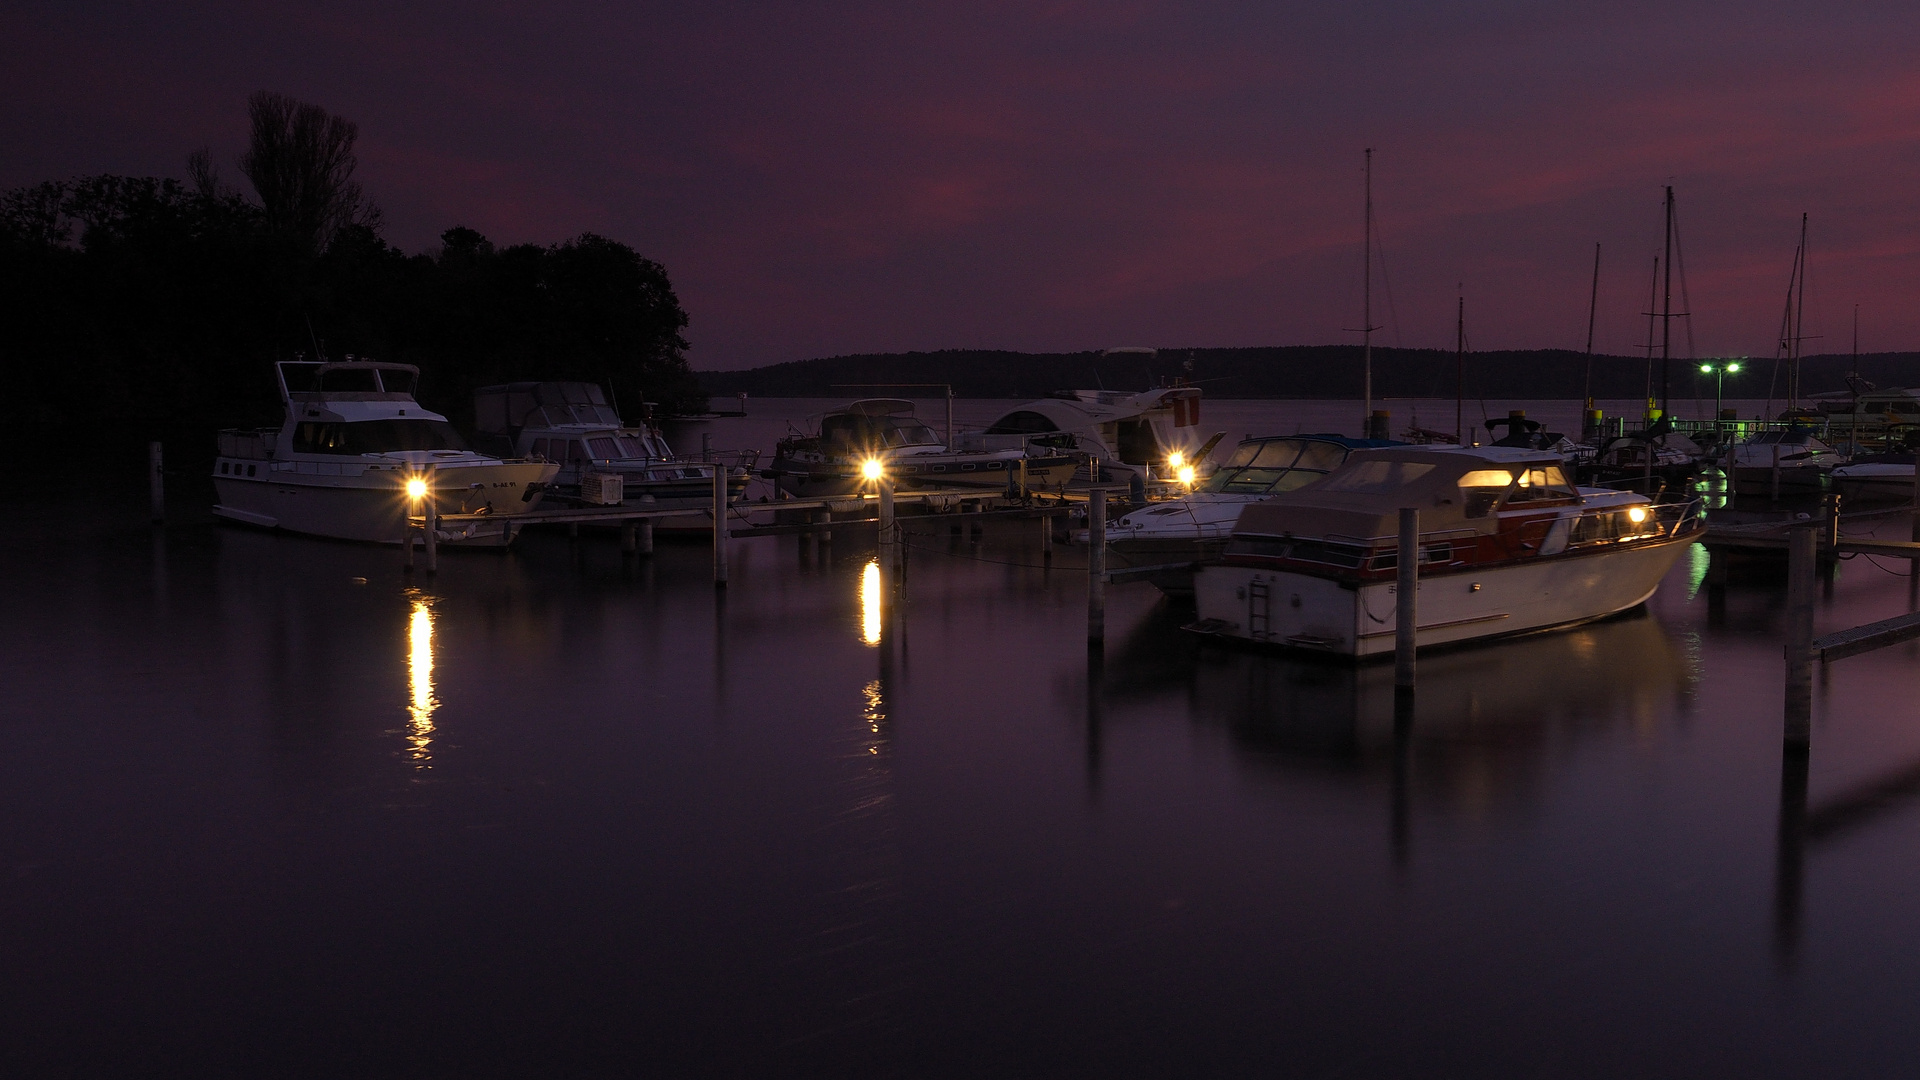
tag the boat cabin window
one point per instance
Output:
(375, 437)
(349, 380)
(1376, 476)
(1023, 422)
(1480, 490)
(909, 433)
(1540, 483)
(606, 447)
(398, 382)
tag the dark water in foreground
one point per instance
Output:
(554, 814)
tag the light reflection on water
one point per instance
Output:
(871, 611)
(420, 681)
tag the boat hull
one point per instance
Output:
(1286, 609)
(351, 501)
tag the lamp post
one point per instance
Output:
(1720, 369)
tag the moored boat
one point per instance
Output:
(833, 460)
(1151, 434)
(341, 463)
(1507, 546)
(1799, 460)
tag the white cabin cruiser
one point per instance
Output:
(1884, 477)
(1801, 461)
(832, 460)
(1152, 432)
(1176, 533)
(340, 464)
(1507, 546)
(572, 425)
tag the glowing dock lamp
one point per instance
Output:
(1719, 369)
(416, 488)
(873, 469)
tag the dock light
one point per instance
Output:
(1177, 461)
(1637, 514)
(416, 488)
(1186, 475)
(872, 469)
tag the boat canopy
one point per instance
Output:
(1454, 490)
(507, 408)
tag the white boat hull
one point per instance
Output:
(1316, 614)
(352, 501)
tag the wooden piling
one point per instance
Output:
(1913, 566)
(1096, 567)
(1406, 629)
(1797, 729)
(719, 526)
(432, 507)
(1046, 536)
(156, 481)
(628, 538)
(646, 536)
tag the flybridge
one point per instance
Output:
(347, 380)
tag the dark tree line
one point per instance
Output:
(144, 307)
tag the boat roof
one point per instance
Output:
(1364, 496)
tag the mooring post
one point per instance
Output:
(1023, 479)
(1831, 504)
(646, 536)
(1799, 647)
(1097, 567)
(157, 481)
(628, 538)
(706, 446)
(1913, 565)
(1046, 536)
(1406, 627)
(887, 561)
(432, 503)
(719, 527)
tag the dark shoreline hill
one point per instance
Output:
(1294, 371)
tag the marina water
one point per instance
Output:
(268, 807)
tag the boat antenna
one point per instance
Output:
(1366, 327)
(1460, 368)
(319, 353)
(1666, 314)
(1593, 306)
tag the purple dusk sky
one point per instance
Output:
(833, 178)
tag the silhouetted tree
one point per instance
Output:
(300, 160)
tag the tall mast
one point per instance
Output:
(1593, 305)
(1653, 294)
(1799, 322)
(1460, 369)
(1666, 311)
(1366, 308)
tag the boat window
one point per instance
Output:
(1242, 455)
(1277, 455)
(1480, 490)
(1138, 445)
(910, 434)
(350, 380)
(1023, 423)
(1382, 476)
(635, 447)
(1244, 481)
(1540, 483)
(1321, 457)
(375, 437)
(398, 382)
(605, 447)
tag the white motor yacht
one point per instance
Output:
(341, 463)
(1175, 533)
(1507, 546)
(1151, 434)
(572, 425)
(1799, 459)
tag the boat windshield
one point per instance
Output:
(375, 437)
(1275, 465)
(911, 433)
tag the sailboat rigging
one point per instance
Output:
(1367, 328)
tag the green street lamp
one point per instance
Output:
(1720, 369)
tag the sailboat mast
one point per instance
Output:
(1653, 295)
(1666, 312)
(1799, 323)
(1460, 370)
(1593, 306)
(1366, 308)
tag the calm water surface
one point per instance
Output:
(268, 809)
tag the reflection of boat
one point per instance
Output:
(1802, 461)
(1195, 528)
(340, 464)
(1155, 431)
(571, 424)
(1507, 546)
(830, 461)
(1597, 674)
